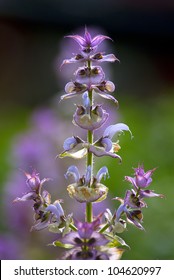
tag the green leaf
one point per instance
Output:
(54, 228)
(57, 243)
(116, 241)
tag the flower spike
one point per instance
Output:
(93, 238)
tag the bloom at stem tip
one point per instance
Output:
(133, 201)
(89, 77)
(46, 214)
(34, 184)
(142, 180)
(88, 44)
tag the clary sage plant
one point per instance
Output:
(94, 238)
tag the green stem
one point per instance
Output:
(89, 212)
(73, 227)
(104, 228)
(107, 224)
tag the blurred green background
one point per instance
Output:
(31, 48)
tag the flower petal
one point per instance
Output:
(97, 40)
(70, 238)
(86, 194)
(134, 217)
(40, 225)
(98, 239)
(132, 181)
(87, 37)
(105, 87)
(75, 147)
(121, 209)
(26, 197)
(86, 100)
(46, 196)
(70, 143)
(131, 200)
(103, 172)
(33, 180)
(88, 175)
(73, 171)
(108, 96)
(111, 130)
(89, 76)
(75, 87)
(100, 152)
(55, 209)
(99, 57)
(106, 143)
(77, 153)
(149, 193)
(91, 120)
(79, 39)
(75, 59)
(84, 229)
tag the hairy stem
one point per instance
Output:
(104, 228)
(89, 212)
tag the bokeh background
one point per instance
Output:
(33, 124)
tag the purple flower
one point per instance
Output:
(87, 44)
(87, 188)
(89, 76)
(103, 88)
(52, 216)
(56, 209)
(142, 180)
(86, 242)
(104, 146)
(88, 117)
(46, 213)
(74, 147)
(74, 89)
(35, 184)
(133, 201)
(131, 207)
(98, 57)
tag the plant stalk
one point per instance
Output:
(89, 210)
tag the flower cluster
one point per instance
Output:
(46, 214)
(90, 77)
(94, 238)
(133, 201)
